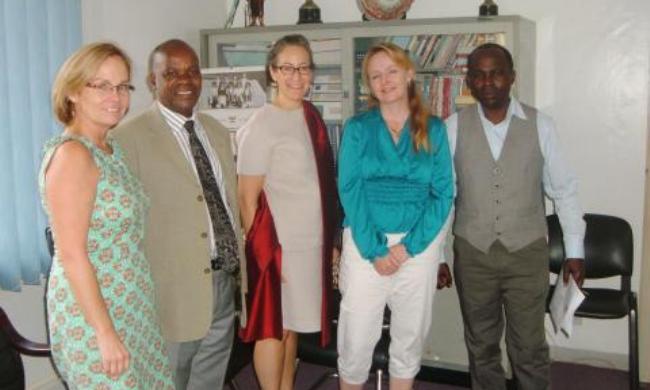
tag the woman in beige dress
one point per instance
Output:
(278, 155)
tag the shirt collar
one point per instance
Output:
(173, 114)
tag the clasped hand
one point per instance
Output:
(397, 255)
(389, 264)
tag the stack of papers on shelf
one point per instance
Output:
(564, 303)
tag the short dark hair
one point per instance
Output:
(163, 47)
(471, 59)
(279, 45)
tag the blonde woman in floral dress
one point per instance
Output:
(100, 300)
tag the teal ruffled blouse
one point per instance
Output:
(387, 187)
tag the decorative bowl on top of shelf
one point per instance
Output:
(384, 9)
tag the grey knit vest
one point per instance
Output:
(503, 199)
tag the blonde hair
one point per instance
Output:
(419, 111)
(77, 71)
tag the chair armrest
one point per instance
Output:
(21, 344)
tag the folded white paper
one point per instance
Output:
(564, 303)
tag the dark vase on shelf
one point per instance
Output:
(309, 13)
(255, 15)
(488, 8)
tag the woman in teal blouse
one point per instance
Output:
(396, 186)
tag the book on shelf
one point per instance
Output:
(441, 52)
(447, 94)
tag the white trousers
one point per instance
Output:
(409, 295)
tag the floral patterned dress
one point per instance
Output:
(114, 249)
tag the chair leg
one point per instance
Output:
(633, 354)
(380, 378)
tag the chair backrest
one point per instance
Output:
(12, 372)
(50, 241)
(12, 346)
(21, 344)
(608, 247)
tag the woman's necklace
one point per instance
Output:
(395, 123)
(395, 130)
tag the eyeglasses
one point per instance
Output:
(105, 88)
(290, 70)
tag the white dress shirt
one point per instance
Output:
(176, 122)
(560, 184)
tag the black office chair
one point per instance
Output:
(12, 345)
(310, 350)
(608, 252)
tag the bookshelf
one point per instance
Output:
(437, 46)
(440, 63)
(337, 84)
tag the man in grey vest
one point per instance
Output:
(506, 158)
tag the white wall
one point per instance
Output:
(138, 26)
(592, 77)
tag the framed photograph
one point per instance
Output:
(231, 94)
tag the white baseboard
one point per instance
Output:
(617, 361)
